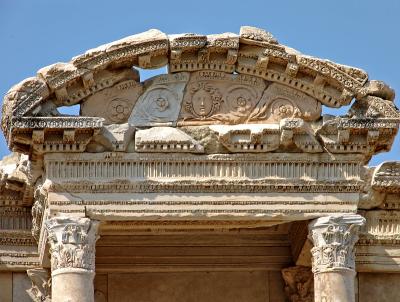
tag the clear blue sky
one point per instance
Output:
(365, 34)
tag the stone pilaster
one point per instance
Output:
(333, 256)
(72, 247)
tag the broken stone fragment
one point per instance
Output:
(248, 137)
(166, 139)
(257, 34)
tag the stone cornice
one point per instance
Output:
(386, 177)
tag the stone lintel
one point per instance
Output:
(202, 206)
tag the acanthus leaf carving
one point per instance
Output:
(72, 242)
(334, 238)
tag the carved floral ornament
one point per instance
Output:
(72, 242)
(215, 79)
(334, 238)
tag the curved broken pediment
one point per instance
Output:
(224, 79)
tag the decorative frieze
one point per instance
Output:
(334, 238)
(378, 247)
(382, 227)
(387, 177)
(187, 167)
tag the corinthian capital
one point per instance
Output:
(72, 242)
(334, 238)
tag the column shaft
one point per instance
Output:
(333, 255)
(72, 247)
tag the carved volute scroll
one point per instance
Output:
(334, 238)
(72, 243)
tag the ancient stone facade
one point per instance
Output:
(219, 181)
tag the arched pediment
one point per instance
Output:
(226, 79)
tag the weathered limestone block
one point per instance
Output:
(166, 139)
(161, 101)
(41, 285)
(378, 248)
(248, 137)
(299, 283)
(114, 137)
(207, 137)
(280, 101)
(190, 52)
(146, 50)
(21, 98)
(374, 107)
(386, 177)
(72, 247)
(59, 75)
(295, 134)
(250, 34)
(79, 92)
(377, 88)
(114, 104)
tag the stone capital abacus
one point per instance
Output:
(334, 238)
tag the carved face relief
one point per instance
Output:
(219, 97)
(205, 100)
(202, 103)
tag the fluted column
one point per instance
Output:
(72, 247)
(333, 256)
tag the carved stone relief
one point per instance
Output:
(223, 94)
(334, 238)
(161, 102)
(280, 101)
(213, 96)
(386, 177)
(114, 104)
(72, 242)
